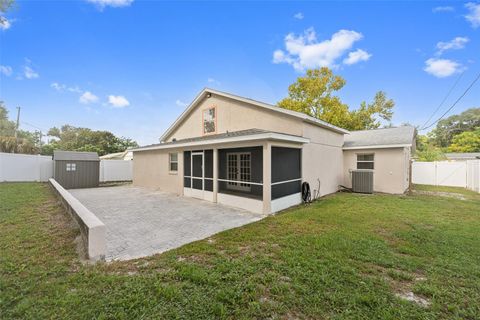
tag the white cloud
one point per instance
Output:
(75, 89)
(5, 23)
(111, 3)
(29, 73)
(454, 44)
(58, 86)
(213, 81)
(443, 9)
(118, 101)
(6, 70)
(88, 97)
(180, 103)
(298, 16)
(304, 51)
(357, 56)
(474, 14)
(442, 68)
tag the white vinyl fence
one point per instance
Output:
(464, 174)
(115, 170)
(473, 175)
(16, 167)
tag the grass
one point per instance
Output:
(346, 256)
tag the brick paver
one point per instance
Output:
(142, 222)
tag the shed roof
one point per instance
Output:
(463, 156)
(75, 156)
(379, 138)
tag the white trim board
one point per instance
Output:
(252, 205)
(286, 202)
(254, 137)
(383, 146)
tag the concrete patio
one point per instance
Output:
(142, 222)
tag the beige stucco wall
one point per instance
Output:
(234, 115)
(151, 170)
(322, 159)
(391, 168)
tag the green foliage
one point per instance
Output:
(72, 138)
(427, 151)
(468, 141)
(27, 142)
(314, 94)
(446, 129)
(346, 256)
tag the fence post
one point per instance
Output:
(435, 170)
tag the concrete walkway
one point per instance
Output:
(142, 222)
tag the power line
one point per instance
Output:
(455, 103)
(444, 99)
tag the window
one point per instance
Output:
(365, 161)
(173, 162)
(71, 167)
(209, 121)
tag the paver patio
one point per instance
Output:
(142, 222)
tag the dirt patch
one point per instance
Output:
(412, 297)
(457, 196)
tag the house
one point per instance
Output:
(387, 151)
(249, 154)
(125, 155)
(463, 156)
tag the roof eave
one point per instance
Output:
(257, 137)
(383, 146)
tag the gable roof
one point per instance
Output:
(380, 138)
(227, 137)
(75, 156)
(251, 102)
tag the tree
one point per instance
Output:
(467, 141)
(314, 94)
(72, 138)
(446, 129)
(26, 142)
(427, 151)
(5, 5)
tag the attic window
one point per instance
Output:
(365, 161)
(209, 121)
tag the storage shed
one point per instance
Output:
(76, 169)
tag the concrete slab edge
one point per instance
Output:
(92, 230)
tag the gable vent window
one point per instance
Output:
(173, 162)
(209, 121)
(365, 161)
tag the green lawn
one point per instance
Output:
(343, 257)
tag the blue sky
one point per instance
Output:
(130, 67)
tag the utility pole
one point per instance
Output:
(16, 128)
(18, 123)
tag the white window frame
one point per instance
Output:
(237, 183)
(366, 161)
(71, 167)
(170, 162)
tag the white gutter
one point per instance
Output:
(383, 146)
(246, 138)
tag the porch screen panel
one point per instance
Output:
(208, 170)
(250, 168)
(187, 181)
(286, 165)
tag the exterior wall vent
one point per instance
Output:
(362, 181)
